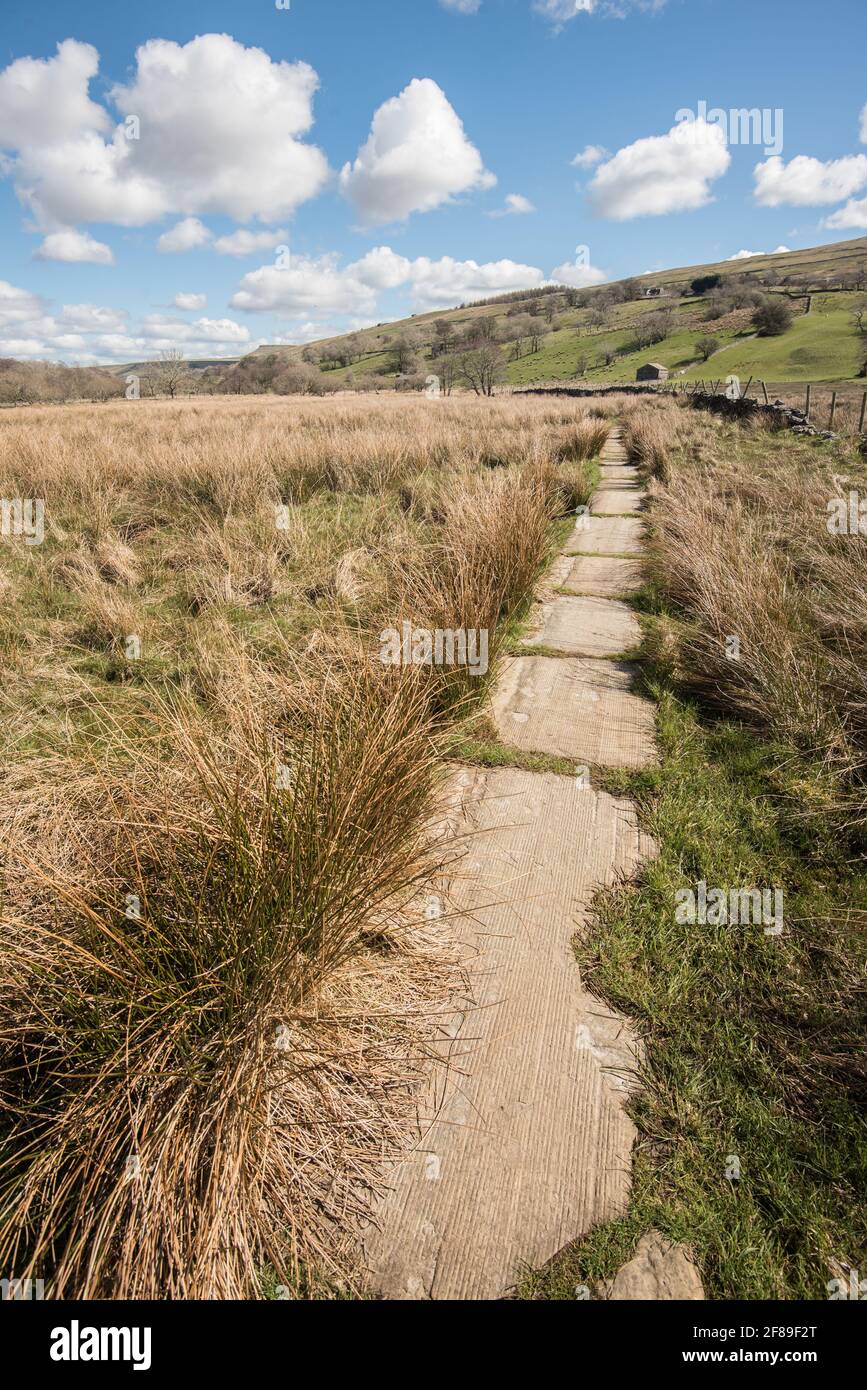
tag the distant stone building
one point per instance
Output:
(652, 371)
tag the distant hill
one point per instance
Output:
(821, 345)
(194, 364)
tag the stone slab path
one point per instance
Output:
(600, 576)
(524, 1142)
(583, 626)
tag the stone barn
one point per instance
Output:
(652, 371)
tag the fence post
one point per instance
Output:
(807, 409)
(863, 413)
(833, 410)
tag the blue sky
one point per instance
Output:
(379, 158)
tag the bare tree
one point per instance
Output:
(405, 349)
(859, 315)
(172, 371)
(482, 366)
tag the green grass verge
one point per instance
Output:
(747, 1046)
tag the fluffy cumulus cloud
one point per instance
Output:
(561, 11)
(187, 301)
(244, 243)
(205, 127)
(416, 158)
(805, 181)
(436, 284)
(90, 333)
(590, 156)
(661, 173)
(319, 285)
(853, 215)
(747, 255)
(167, 331)
(185, 235)
(72, 245)
(515, 205)
(579, 273)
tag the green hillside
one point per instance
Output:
(590, 334)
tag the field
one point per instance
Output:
(223, 812)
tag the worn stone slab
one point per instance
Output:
(585, 626)
(615, 501)
(619, 478)
(606, 535)
(658, 1270)
(601, 575)
(524, 1141)
(574, 707)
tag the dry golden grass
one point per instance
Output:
(217, 986)
(740, 542)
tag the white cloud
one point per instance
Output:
(590, 156)
(318, 285)
(186, 235)
(805, 181)
(166, 330)
(382, 269)
(561, 11)
(93, 332)
(437, 284)
(41, 101)
(190, 301)
(93, 318)
(462, 6)
(308, 285)
(661, 173)
(71, 245)
(516, 205)
(17, 305)
(244, 243)
(578, 274)
(219, 130)
(746, 255)
(853, 214)
(416, 158)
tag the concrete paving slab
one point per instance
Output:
(603, 575)
(574, 707)
(585, 626)
(524, 1141)
(620, 478)
(615, 501)
(606, 535)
